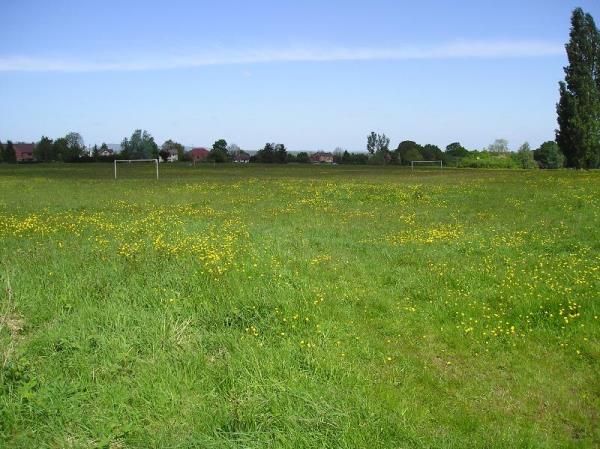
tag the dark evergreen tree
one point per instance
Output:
(266, 155)
(281, 156)
(303, 157)
(578, 133)
(44, 150)
(10, 155)
(60, 148)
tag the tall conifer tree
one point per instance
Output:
(578, 134)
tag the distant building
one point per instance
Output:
(241, 158)
(321, 158)
(106, 153)
(24, 152)
(198, 154)
(173, 155)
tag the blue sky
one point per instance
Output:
(311, 74)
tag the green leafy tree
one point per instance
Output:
(409, 151)
(9, 154)
(359, 158)
(382, 143)
(412, 154)
(578, 133)
(454, 153)
(381, 157)
(382, 150)
(74, 147)
(378, 147)
(456, 150)
(378, 143)
(95, 152)
(44, 150)
(524, 157)
(431, 152)
(548, 155)
(218, 152)
(1, 152)
(74, 140)
(141, 145)
(303, 157)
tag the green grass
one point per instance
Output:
(298, 307)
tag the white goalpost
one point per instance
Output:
(436, 163)
(129, 161)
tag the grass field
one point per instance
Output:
(298, 307)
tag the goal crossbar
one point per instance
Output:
(412, 163)
(136, 160)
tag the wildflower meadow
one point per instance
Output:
(300, 306)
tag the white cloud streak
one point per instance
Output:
(454, 50)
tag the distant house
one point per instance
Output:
(198, 154)
(321, 158)
(173, 155)
(241, 158)
(106, 153)
(24, 152)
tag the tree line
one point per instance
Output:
(141, 145)
(496, 155)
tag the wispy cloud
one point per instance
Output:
(453, 50)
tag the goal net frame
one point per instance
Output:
(129, 161)
(412, 163)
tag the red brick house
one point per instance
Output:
(198, 154)
(24, 152)
(321, 158)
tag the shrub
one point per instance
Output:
(485, 159)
